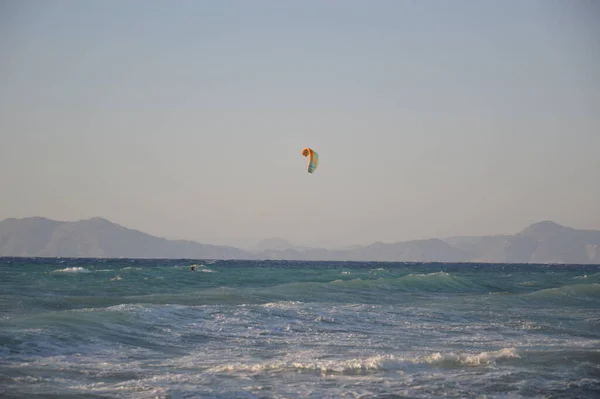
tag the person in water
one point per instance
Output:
(193, 268)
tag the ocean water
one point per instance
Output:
(119, 328)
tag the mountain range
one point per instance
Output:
(543, 242)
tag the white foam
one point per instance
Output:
(350, 366)
(371, 364)
(429, 274)
(528, 283)
(125, 307)
(478, 359)
(200, 267)
(282, 304)
(72, 270)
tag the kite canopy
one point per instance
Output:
(313, 159)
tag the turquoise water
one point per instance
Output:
(120, 328)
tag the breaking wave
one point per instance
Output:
(72, 270)
(373, 364)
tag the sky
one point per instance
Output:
(187, 119)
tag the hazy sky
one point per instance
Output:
(186, 119)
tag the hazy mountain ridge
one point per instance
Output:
(97, 237)
(544, 242)
(277, 244)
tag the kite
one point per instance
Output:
(313, 159)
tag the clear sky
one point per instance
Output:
(186, 119)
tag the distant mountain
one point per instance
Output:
(559, 244)
(497, 248)
(277, 244)
(545, 230)
(98, 237)
(433, 250)
(544, 242)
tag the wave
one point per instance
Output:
(72, 270)
(589, 277)
(528, 283)
(282, 305)
(465, 359)
(336, 291)
(373, 364)
(430, 282)
(581, 292)
(124, 307)
(579, 355)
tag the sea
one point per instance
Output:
(124, 328)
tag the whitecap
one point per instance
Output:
(466, 359)
(72, 270)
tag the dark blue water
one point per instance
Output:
(249, 329)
